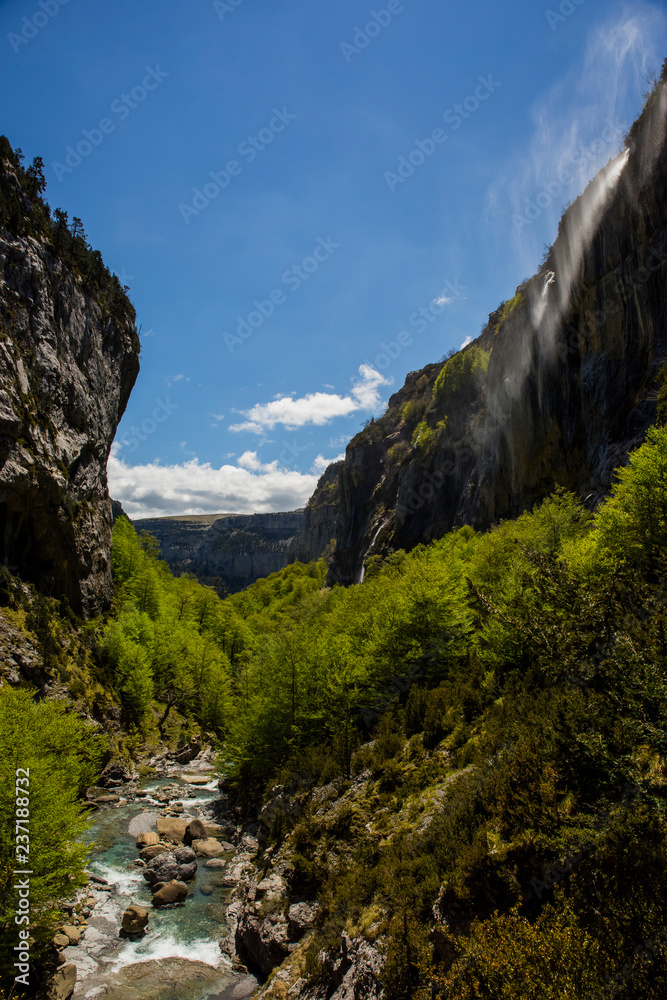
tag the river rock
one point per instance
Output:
(106, 800)
(215, 863)
(171, 892)
(209, 848)
(148, 853)
(135, 920)
(172, 978)
(196, 779)
(61, 941)
(185, 855)
(73, 933)
(195, 830)
(63, 983)
(147, 839)
(171, 829)
(166, 867)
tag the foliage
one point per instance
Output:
(511, 306)
(461, 374)
(61, 755)
(24, 212)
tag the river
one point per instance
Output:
(179, 957)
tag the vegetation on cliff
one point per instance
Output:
(24, 212)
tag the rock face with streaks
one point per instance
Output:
(68, 361)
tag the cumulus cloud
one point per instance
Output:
(465, 343)
(199, 488)
(321, 463)
(316, 408)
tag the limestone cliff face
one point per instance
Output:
(321, 518)
(557, 389)
(229, 550)
(68, 361)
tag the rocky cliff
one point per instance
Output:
(230, 551)
(68, 361)
(556, 390)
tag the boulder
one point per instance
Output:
(63, 983)
(61, 941)
(195, 830)
(215, 863)
(148, 853)
(209, 848)
(171, 829)
(135, 920)
(197, 779)
(171, 892)
(301, 917)
(147, 839)
(73, 933)
(188, 753)
(115, 773)
(166, 867)
(105, 800)
(185, 855)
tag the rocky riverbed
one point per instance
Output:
(170, 949)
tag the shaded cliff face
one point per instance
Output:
(321, 518)
(230, 551)
(68, 361)
(556, 391)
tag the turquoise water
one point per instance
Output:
(191, 930)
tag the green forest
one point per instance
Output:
(486, 715)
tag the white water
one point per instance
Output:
(362, 571)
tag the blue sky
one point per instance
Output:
(308, 200)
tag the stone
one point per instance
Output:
(185, 855)
(206, 890)
(73, 933)
(195, 830)
(135, 920)
(209, 848)
(63, 983)
(61, 941)
(171, 892)
(301, 917)
(172, 829)
(166, 867)
(148, 853)
(105, 800)
(196, 779)
(215, 863)
(147, 839)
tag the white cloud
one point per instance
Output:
(198, 488)
(465, 343)
(218, 416)
(443, 300)
(321, 463)
(317, 407)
